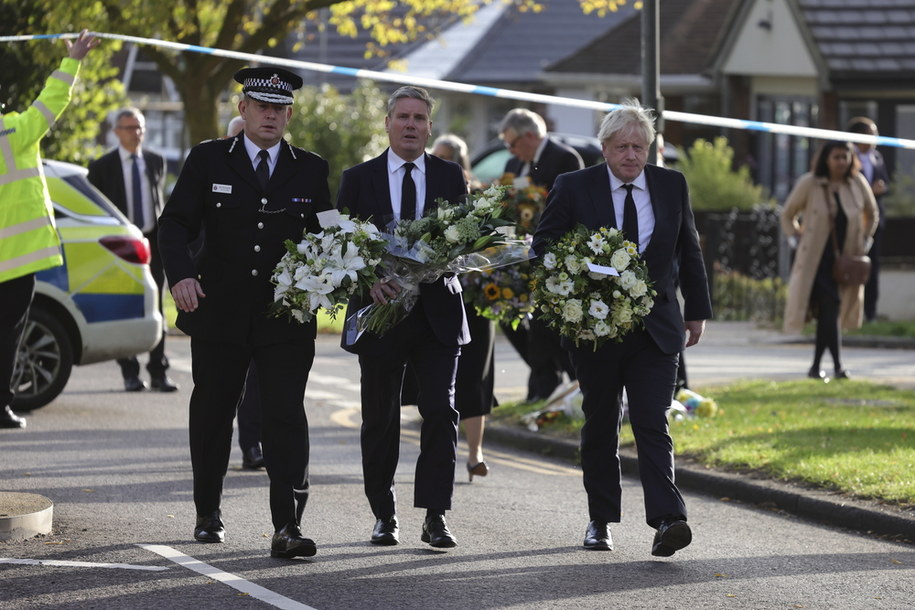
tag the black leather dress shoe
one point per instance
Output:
(210, 528)
(289, 543)
(252, 458)
(134, 384)
(671, 536)
(841, 374)
(597, 536)
(436, 532)
(8, 419)
(386, 532)
(162, 383)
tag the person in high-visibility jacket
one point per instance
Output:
(28, 238)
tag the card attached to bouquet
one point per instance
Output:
(603, 270)
(329, 218)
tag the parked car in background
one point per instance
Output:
(100, 305)
(489, 164)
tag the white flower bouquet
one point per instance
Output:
(592, 286)
(452, 238)
(325, 269)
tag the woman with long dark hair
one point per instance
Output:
(833, 199)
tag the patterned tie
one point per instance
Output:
(630, 217)
(263, 169)
(408, 194)
(137, 187)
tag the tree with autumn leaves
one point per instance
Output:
(247, 26)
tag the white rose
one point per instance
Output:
(601, 329)
(572, 263)
(639, 289)
(453, 234)
(628, 280)
(620, 260)
(549, 260)
(571, 311)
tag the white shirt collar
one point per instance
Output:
(395, 162)
(539, 150)
(126, 154)
(252, 150)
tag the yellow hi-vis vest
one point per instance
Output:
(28, 238)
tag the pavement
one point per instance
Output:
(814, 504)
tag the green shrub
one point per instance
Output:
(713, 182)
(900, 200)
(344, 129)
(737, 297)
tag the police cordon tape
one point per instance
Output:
(431, 83)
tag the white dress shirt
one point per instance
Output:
(148, 222)
(395, 181)
(642, 205)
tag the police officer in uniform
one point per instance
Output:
(246, 195)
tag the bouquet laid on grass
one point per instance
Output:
(452, 238)
(325, 269)
(501, 294)
(592, 286)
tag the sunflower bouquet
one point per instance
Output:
(325, 269)
(592, 286)
(452, 238)
(523, 203)
(501, 294)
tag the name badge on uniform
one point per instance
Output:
(222, 188)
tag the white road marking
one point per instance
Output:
(80, 564)
(236, 582)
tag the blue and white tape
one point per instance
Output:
(430, 83)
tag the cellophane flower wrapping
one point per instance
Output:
(452, 238)
(588, 304)
(325, 269)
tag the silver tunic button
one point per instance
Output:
(264, 201)
(257, 248)
(218, 204)
(260, 225)
(254, 272)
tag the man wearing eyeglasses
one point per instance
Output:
(536, 159)
(133, 178)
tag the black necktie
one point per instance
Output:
(408, 194)
(630, 217)
(263, 169)
(137, 187)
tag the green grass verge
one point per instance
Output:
(854, 437)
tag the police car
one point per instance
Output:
(100, 305)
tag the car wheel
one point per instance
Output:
(43, 363)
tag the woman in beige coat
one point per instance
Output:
(833, 194)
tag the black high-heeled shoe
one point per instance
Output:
(480, 470)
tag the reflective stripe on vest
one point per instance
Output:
(31, 257)
(23, 227)
(19, 174)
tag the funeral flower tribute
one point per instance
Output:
(325, 269)
(592, 286)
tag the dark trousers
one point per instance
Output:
(828, 335)
(158, 361)
(648, 375)
(249, 412)
(871, 289)
(539, 346)
(219, 371)
(15, 299)
(382, 377)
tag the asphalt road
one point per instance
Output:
(117, 468)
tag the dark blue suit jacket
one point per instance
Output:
(365, 194)
(555, 159)
(584, 197)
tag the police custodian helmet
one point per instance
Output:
(271, 85)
